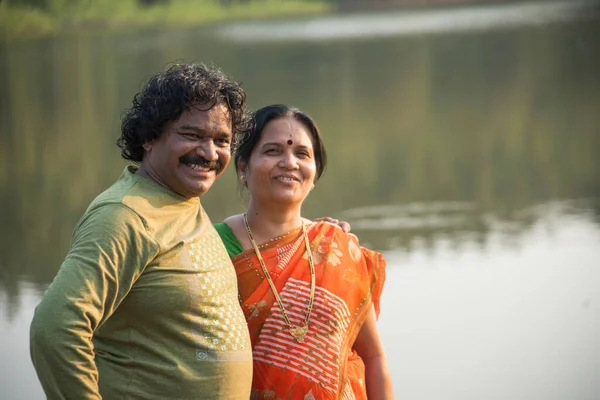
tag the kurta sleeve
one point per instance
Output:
(109, 250)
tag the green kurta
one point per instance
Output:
(145, 305)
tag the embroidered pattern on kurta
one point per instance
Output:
(223, 329)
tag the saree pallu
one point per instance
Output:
(349, 281)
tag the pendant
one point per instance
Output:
(299, 333)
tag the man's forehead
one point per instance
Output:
(222, 111)
(220, 106)
(218, 114)
(221, 117)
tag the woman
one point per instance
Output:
(310, 293)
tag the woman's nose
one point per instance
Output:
(289, 161)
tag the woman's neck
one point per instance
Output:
(268, 223)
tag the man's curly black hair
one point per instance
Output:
(168, 94)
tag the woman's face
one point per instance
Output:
(282, 166)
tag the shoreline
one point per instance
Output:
(20, 22)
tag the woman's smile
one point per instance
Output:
(278, 171)
(287, 179)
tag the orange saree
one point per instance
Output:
(349, 281)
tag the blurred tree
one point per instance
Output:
(32, 3)
(229, 2)
(52, 5)
(152, 2)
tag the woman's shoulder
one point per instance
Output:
(222, 228)
(331, 231)
(231, 225)
(329, 226)
(227, 232)
(233, 220)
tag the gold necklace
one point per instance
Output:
(299, 332)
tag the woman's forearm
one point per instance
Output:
(378, 380)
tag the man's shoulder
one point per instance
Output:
(116, 192)
(133, 192)
(110, 205)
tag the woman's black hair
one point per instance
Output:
(262, 117)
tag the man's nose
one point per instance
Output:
(208, 150)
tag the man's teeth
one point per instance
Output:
(198, 168)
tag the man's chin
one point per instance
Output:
(202, 188)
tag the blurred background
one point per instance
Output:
(463, 141)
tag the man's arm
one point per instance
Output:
(345, 226)
(109, 251)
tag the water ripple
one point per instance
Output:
(399, 23)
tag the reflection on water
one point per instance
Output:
(459, 150)
(508, 321)
(484, 17)
(399, 227)
(17, 376)
(514, 319)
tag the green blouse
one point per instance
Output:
(232, 245)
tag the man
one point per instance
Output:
(145, 304)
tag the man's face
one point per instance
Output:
(192, 152)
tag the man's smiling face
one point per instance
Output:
(192, 152)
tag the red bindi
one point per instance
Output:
(290, 142)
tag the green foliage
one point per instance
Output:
(35, 17)
(18, 20)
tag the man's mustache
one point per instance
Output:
(203, 162)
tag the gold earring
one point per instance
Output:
(312, 187)
(242, 178)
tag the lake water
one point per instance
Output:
(463, 144)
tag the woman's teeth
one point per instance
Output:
(286, 179)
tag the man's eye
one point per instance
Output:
(190, 136)
(223, 142)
